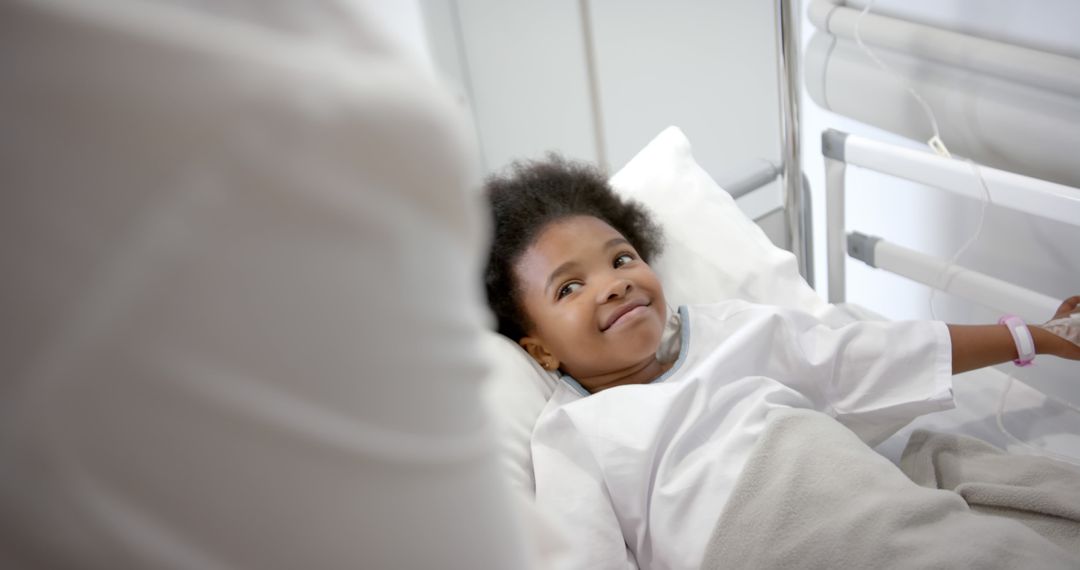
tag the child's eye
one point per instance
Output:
(622, 259)
(567, 289)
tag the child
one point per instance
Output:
(641, 473)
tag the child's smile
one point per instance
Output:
(629, 312)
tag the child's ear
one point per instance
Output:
(539, 352)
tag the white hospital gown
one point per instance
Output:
(639, 474)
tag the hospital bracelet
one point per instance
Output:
(1025, 345)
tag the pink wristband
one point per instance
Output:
(1025, 345)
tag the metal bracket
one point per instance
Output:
(832, 144)
(861, 247)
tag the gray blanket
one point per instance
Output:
(1039, 492)
(813, 495)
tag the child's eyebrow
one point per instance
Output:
(564, 268)
(615, 241)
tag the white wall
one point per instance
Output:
(521, 64)
(708, 67)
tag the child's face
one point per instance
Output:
(595, 305)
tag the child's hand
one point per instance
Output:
(1066, 328)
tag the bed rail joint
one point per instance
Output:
(861, 247)
(832, 144)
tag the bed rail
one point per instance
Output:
(1007, 189)
(1047, 70)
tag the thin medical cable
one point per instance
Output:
(947, 274)
(938, 146)
(918, 98)
(1038, 450)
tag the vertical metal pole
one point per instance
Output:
(806, 224)
(834, 149)
(787, 48)
(835, 238)
(594, 85)
(466, 76)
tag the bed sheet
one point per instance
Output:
(1029, 415)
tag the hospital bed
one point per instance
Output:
(991, 405)
(714, 252)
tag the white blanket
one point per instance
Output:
(813, 495)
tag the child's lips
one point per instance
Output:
(625, 312)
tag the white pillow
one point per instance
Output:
(515, 393)
(712, 252)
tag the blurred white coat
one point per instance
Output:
(241, 308)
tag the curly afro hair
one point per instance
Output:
(536, 193)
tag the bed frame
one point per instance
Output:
(1007, 189)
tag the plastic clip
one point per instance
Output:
(938, 146)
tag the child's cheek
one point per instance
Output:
(584, 320)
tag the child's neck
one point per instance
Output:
(642, 373)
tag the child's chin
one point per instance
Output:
(642, 344)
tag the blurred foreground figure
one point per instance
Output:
(240, 304)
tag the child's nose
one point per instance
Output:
(618, 288)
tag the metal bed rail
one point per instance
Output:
(1031, 195)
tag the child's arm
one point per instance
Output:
(976, 346)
